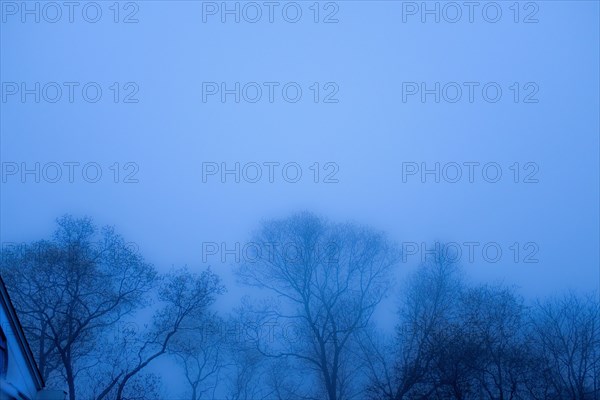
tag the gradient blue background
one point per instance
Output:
(369, 133)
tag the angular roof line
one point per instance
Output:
(20, 335)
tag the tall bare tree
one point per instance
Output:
(70, 289)
(75, 291)
(462, 341)
(328, 278)
(454, 341)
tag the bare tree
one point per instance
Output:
(74, 292)
(429, 303)
(116, 349)
(379, 354)
(72, 288)
(184, 299)
(567, 339)
(247, 374)
(460, 341)
(453, 340)
(493, 319)
(328, 279)
(200, 350)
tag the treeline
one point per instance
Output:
(306, 333)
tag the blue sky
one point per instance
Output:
(368, 134)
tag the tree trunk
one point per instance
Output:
(70, 378)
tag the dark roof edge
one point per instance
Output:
(20, 335)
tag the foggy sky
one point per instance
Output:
(369, 133)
